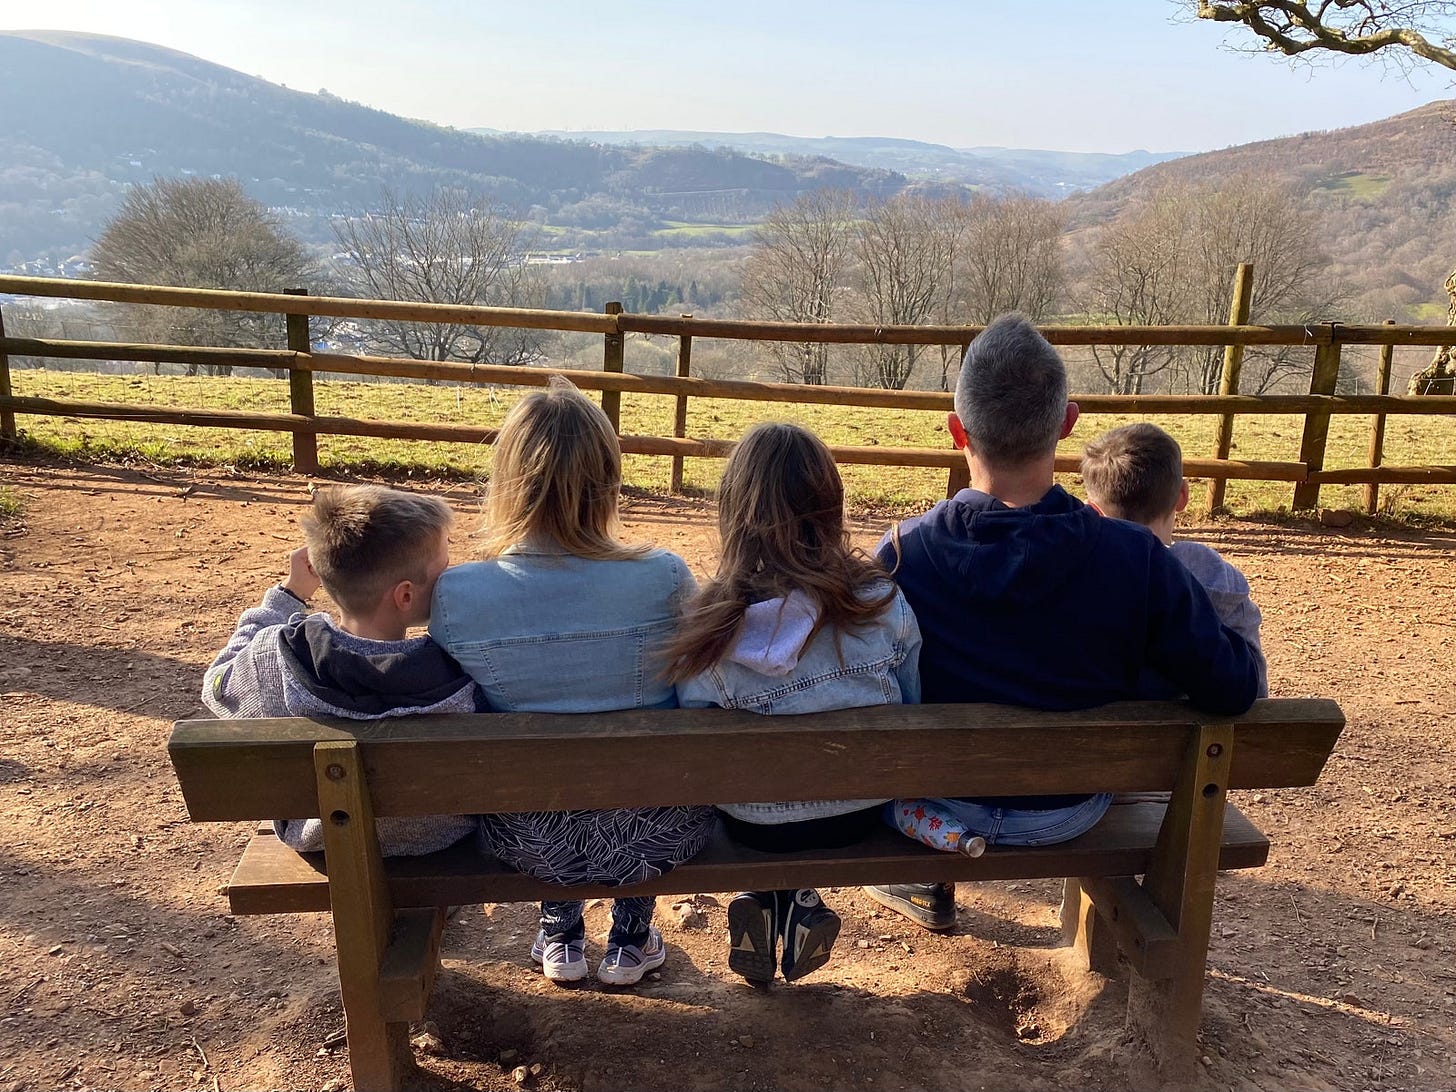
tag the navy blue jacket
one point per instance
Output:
(1053, 606)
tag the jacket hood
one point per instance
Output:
(988, 551)
(331, 672)
(773, 634)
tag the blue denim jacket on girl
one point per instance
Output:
(548, 632)
(769, 669)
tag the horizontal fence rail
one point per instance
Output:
(1306, 474)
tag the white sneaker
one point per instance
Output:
(625, 964)
(561, 960)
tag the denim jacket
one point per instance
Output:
(770, 670)
(546, 632)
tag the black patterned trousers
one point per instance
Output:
(614, 847)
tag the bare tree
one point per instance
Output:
(903, 247)
(453, 247)
(1005, 255)
(1254, 218)
(1137, 269)
(1172, 260)
(202, 233)
(796, 273)
(1008, 256)
(1360, 28)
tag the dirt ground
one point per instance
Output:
(1330, 968)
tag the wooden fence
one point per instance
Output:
(1324, 340)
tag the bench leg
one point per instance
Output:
(379, 1053)
(1166, 1011)
(1084, 930)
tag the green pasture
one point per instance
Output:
(11, 505)
(1409, 440)
(1428, 313)
(683, 229)
(1363, 185)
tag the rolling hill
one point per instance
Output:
(1038, 172)
(86, 115)
(1384, 194)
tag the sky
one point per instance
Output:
(1074, 75)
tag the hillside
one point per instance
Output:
(86, 115)
(1384, 193)
(1034, 171)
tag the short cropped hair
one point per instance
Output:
(1134, 472)
(364, 539)
(1012, 392)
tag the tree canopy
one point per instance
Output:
(202, 233)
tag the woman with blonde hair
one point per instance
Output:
(795, 621)
(561, 616)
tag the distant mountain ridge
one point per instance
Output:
(1040, 172)
(86, 115)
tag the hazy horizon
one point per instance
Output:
(1068, 77)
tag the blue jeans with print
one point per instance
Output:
(942, 823)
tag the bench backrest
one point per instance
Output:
(483, 762)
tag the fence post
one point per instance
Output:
(300, 391)
(612, 362)
(1317, 421)
(1233, 363)
(1377, 423)
(7, 415)
(960, 474)
(680, 411)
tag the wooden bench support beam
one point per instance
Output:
(1180, 881)
(1139, 928)
(379, 1053)
(411, 962)
(1085, 930)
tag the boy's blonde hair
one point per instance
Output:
(1134, 472)
(556, 477)
(364, 539)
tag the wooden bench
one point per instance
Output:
(388, 914)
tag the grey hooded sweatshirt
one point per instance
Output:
(1228, 591)
(280, 663)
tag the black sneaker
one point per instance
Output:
(809, 933)
(753, 936)
(929, 904)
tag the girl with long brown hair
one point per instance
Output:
(795, 621)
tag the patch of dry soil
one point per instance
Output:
(1330, 968)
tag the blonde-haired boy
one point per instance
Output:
(378, 553)
(1135, 473)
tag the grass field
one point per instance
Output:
(11, 505)
(682, 229)
(1409, 440)
(1359, 184)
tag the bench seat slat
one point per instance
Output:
(271, 878)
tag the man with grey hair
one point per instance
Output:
(1027, 596)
